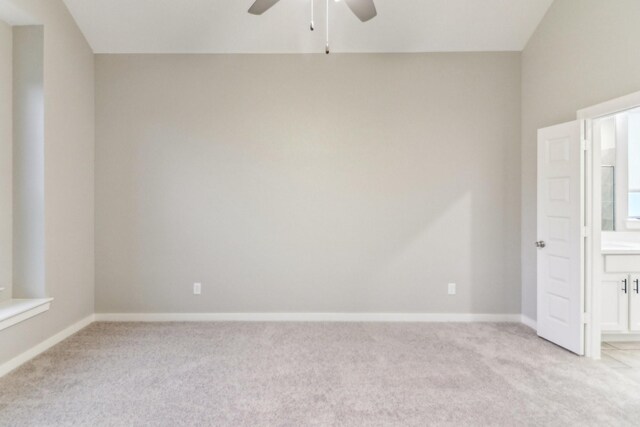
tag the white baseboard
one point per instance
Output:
(257, 317)
(527, 321)
(305, 317)
(12, 364)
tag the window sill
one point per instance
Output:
(15, 311)
(633, 224)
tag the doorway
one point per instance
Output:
(615, 208)
(589, 229)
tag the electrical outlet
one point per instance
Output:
(197, 288)
(452, 288)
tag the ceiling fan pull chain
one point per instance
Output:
(312, 26)
(327, 46)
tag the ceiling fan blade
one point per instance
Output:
(363, 9)
(261, 6)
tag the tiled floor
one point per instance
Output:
(624, 357)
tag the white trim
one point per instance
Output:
(613, 106)
(527, 321)
(591, 238)
(305, 317)
(586, 188)
(44, 345)
(14, 311)
(256, 317)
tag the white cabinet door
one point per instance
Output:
(560, 281)
(615, 302)
(634, 303)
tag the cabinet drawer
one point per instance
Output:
(621, 263)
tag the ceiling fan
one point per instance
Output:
(365, 10)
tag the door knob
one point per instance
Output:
(637, 287)
(624, 282)
(541, 244)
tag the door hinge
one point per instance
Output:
(584, 144)
(585, 318)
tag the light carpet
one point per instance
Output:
(326, 374)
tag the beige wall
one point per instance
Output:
(296, 183)
(584, 52)
(6, 53)
(69, 184)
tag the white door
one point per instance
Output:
(634, 303)
(560, 242)
(615, 302)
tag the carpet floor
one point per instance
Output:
(314, 374)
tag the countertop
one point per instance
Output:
(620, 243)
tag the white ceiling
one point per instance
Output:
(224, 26)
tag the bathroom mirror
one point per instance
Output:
(620, 171)
(608, 172)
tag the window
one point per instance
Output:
(22, 290)
(634, 164)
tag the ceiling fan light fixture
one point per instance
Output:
(365, 10)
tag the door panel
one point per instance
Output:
(615, 302)
(560, 278)
(634, 303)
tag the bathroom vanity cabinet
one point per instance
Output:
(621, 293)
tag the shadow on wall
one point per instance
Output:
(362, 194)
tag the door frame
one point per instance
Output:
(591, 149)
